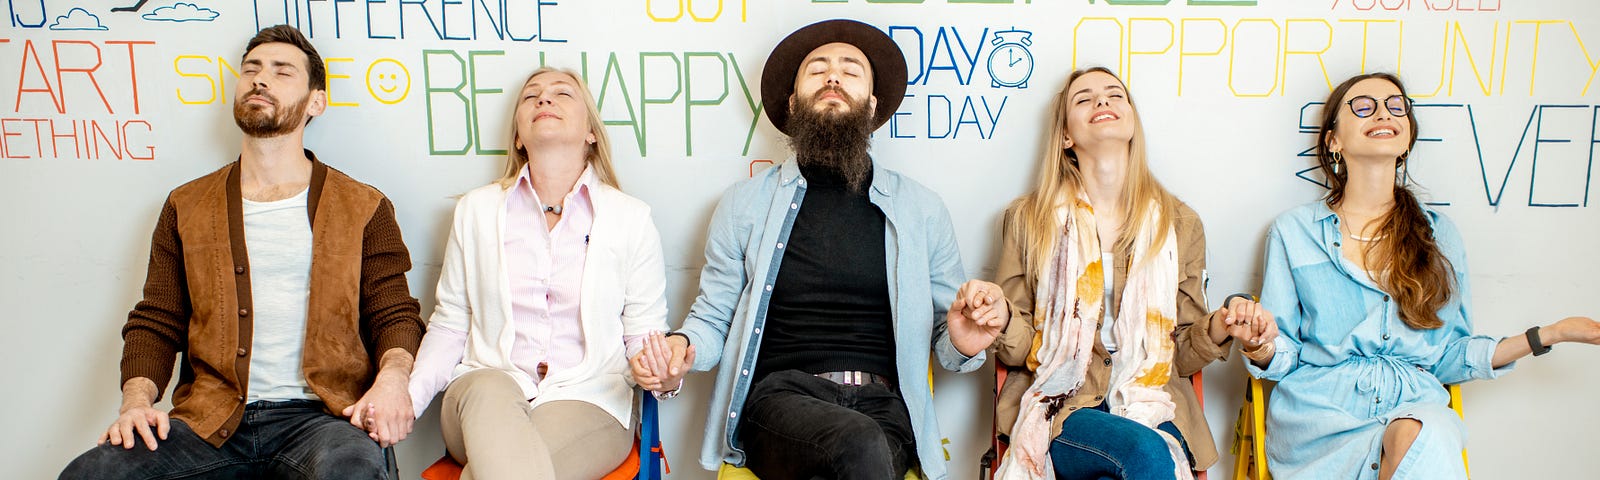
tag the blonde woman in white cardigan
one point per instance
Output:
(552, 278)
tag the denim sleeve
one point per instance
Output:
(721, 283)
(946, 274)
(1279, 296)
(1466, 356)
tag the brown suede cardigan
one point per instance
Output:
(1193, 347)
(197, 298)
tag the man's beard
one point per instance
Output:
(834, 143)
(254, 120)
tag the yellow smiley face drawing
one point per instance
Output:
(388, 81)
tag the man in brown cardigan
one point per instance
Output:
(295, 353)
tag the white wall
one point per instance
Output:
(1225, 130)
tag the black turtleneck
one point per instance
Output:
(830, 304)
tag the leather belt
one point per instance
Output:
(855, 378)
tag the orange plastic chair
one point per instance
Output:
(653, 468)
(1250, 432)
(990, 462)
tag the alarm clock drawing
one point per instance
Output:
(1010, 62)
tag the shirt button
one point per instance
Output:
(244, 311)
(793, 206)
(1385, 336)
(1335, 244)
(1098, 397)
(758, 331)
(1374, 466)
(769, 288)
(241, 398)
(238, 269)
(224, 433)
(1108, 362)
(733, 414)
(1385, 298)
(745, 372)
(780, 245)
(242, 351)
(1377, 400)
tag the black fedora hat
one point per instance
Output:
(883, 55)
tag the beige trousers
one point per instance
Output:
(493, 432)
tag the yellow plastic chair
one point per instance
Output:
(1250, 432)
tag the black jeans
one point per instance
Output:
(276, 440)
(799, 426)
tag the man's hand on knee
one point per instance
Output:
(137, 415)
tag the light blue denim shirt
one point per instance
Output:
(743, 251)
(1346, 364)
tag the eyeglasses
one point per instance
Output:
(1364, 106)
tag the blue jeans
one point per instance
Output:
(279, 440)
(1096, 445)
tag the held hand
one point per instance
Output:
(1248, 322)
(137, 418)
(978, 316)
(661, 366)
(385, 412)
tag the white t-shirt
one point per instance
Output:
(277, 238)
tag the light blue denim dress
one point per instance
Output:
(1346, 365)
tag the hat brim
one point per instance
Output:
(883, 55)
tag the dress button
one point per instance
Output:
(242, 351)
(244, 311)
(238, 269)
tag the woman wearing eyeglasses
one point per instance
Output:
(1370, 286)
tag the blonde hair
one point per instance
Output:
(1032, 218)
(599, 153)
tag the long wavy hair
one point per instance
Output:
(1033, 218)
(598, 154)
(1415, 272)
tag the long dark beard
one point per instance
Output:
(834, 143)
(254, 120)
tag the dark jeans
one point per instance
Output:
(1097, 445)
(276, 440)
(798, 426)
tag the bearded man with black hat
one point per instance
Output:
(828, 280)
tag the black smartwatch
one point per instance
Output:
(1534, 343)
